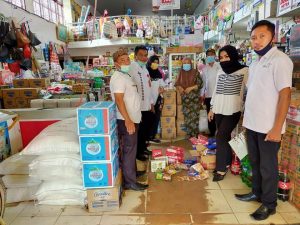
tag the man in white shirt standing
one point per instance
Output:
(267, 102)
(124, 94)
(141, 76)
(209, 78)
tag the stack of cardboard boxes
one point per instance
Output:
(290, 149)
(181, 130)
(99, 154)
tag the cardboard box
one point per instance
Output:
(105, 199)
(9, 103)
(179, 98)
(101, 174)
(21, 83)
(80, 88)
(180, 127)
(11, 93)
(169, 110)
(30, 93)
(22, 103)
(100, 147)
(170, 97)
(96, 118)
(39, 83)
(180, 115)
(208, 162)
(158, 165)
(168, 133)
(167, 121)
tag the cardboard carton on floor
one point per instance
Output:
(167, 121)
(11, 93)
(179, 98)
(21, 83)
(180, 115)
(29, 93)
(168, 133)
(9, 103)
(105, 199)
(169, 110)
(208, 162)
(170, 97)
(181, 129)
(39, 82)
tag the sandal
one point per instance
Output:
(219, 177)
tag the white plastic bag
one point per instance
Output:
(203, 123)
(239, 145)
(16, 164)
(20, 194)
(20, 181)
(68, 160)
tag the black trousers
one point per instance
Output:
(128, 146)
(156, 118)
(144, 132)
(264, 161)
(211, 124)
(225, 126)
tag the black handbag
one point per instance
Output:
(4, 28)
(3, 53)
(34, 41)
(10, 38)
(26, 64)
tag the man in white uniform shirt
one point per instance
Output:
(267, 102)
(209, 78)
(141, 76)
(124, 94)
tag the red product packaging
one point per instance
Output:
(156, 153)
(176, 159)
(194, 141)
(203, 139)
(175, 150)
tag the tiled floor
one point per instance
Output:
(174, 203)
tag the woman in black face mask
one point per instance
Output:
(226, 105)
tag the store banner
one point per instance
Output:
(295, 4)
(165, 4)
(284, 6)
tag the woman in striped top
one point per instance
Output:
(226, 105)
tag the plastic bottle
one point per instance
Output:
(284, 187)
(235, 166)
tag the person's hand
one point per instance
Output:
(273, 135)
(188, 90)
(181, 90)
(161, 90)
(210, 116)
(152, 108)
(130, 126)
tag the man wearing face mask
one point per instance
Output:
(267, 102)
(141, 76)
(209, 77)
(124, 94)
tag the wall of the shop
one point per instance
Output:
(45, 31)
(203, 6)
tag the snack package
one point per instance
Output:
(167, 177)
(198, 167)
(156, 153)
(159, 176)
(181, 166)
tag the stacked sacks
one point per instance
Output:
(57, 164)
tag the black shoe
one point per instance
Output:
(142, 158)
(247, 197)
(262, 213)
(157, 141)
(140, 173)
(147, 152)
(136, 187)
(218, 177)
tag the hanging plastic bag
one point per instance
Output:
(239, 145)
(203, 122)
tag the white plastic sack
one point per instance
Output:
(239, 145)
(16, 164)
(20, 181)
(68, 160)
(60, 193)
(20, 194)
(58, 138)
(203, 122)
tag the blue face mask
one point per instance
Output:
(186, 67)
(210, 59)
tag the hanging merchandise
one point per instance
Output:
(119, 25)
(127, 25)
(110, 30)
(34, 41)
(140, 30)
(27, 51)
(22, 39)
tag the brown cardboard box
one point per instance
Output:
(39, 83)
(105, 199)
(167, 122)
(79, 88)
(179, 98)
(21, 83)
(169, 110)
(180, 113)
(180, 126)
(22, 102)
(30, 93)
(170, 97)
(11, 93)
(9, 103)
(168, 133)
(208, 162)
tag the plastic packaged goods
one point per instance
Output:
(69, 160)
(19, 181)
(16, 164)
(20, 194)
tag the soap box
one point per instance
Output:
(99, 147)
(101, 174)
(96, 118)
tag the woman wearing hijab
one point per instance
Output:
(189, 84)
(226, 105)
(157, 84)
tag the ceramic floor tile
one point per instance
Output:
(232, 182)
(42, 210)
(244, 218)
(121, 220)
(239, 206)
(77, 211)
(216, 202)
(166, 219)
(285, 207)
(78, 220)
(12, 211)
(291, 217)
(211, 218)
(35, 220)
(133, 202)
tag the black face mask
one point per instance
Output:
(230, 66)
(265, 50)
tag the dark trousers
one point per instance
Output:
(128, 146)
(155, 119)
(264, 161)
(225, 126)
(211, 124)
(144, 132)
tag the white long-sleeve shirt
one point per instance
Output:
(155, 85)
(141, 77)
(209, 78)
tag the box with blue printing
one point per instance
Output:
(98, 147)
(96, 118)
(101, 174)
